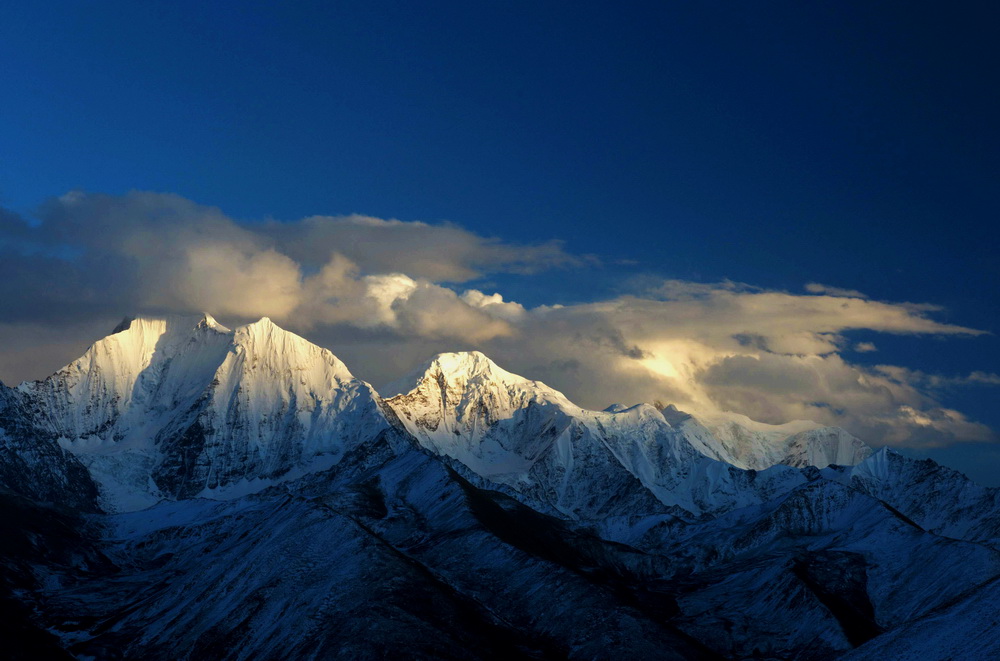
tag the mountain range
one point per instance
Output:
(187, 491)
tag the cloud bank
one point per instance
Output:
(386, 294)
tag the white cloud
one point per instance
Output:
(987, 378)
(437, 253)
(228, 280)
(817, 288)
(494, 305)
(936, 381)
(150, 252)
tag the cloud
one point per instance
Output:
(395, 302)
(827, 389)
(152, 252)
(817, 288)
(382, 294)
(494, 305)
(936, 381)
(986, 378)
(229, 280)
(771, 355)
(437, 253)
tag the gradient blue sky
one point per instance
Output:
(776, 143)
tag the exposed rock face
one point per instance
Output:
(261, 502)
(33, 465)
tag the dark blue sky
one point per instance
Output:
(853, 144)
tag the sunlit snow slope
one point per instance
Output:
(182, 406)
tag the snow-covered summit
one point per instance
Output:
(172, 406)
(456, 380)
(558, 456)
(456, 401)
(125, 382)
(462, 370)
(470, 364)
(738, 440)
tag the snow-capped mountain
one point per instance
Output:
(525, 435)
(740, 441)
(184, 490)
(181, 406)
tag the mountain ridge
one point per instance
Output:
(249, 405)
(186, 490)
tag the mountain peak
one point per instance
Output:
(263, 322)
(467, 363)
(264, 327)
(179, 323)
(208, 321)
(281, 349)
(189, 404)
(461, 369)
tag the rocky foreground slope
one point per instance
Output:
(188, 491)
